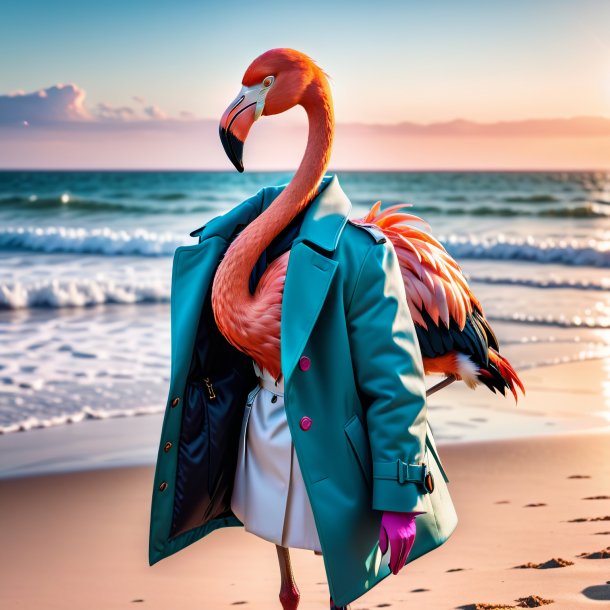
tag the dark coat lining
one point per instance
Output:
(211, 425)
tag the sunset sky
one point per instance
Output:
(149, 80)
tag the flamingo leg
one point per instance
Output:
(440, 385)
(289, 592)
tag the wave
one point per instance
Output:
(90, 241)
(560, 321)
(108, 242)
(532, 199)
(59, 294)
(169, 196)
(80, 293)
(583, 211)
(589, 210)
(602, 286)
(587, 356)
(82, 205)
(63, 201)
(591, 253)
(86, 413)
(152, 205)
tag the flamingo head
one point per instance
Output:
(275, 82)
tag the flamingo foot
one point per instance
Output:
(289, 592)
(290, 597)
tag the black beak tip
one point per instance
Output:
(233, 147)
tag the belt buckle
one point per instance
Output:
(428, 479)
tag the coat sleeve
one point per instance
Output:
(389, 371)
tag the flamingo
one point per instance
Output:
(455, 338)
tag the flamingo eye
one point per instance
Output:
(268, 81)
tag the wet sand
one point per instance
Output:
(563, 398)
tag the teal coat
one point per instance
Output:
(343, 307)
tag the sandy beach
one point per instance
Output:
(139, 140)
(79, 540)
(84, 373)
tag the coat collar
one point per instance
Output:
(308, 280)
(324, 219)
(326, 215)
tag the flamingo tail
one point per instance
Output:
(506, 372)
(439, 297)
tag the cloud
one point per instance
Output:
(65, 104)
(54, 128)
(106, 112)
(154, 112)
(150, 110)
(56, 104)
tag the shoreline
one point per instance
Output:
(563, 399)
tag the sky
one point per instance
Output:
(153, 77)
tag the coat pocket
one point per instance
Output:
(359, 443)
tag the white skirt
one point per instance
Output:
(269, 494)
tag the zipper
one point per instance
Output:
(210, 387)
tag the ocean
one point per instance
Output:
(85, 264)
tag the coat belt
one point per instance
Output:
(401, 471)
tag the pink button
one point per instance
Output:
(304, 363)
(305, 423)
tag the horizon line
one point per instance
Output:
(278, 170)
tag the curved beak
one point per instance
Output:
(237, 120)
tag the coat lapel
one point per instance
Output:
(308, 277)
(310, 271)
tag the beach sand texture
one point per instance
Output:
(84, 348)
(79, 541)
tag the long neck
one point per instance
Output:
(231, 298)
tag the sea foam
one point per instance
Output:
(140, 242)
(543, 284)
(578, 253)
(33, 422)
(102, 241)
(56, 293)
